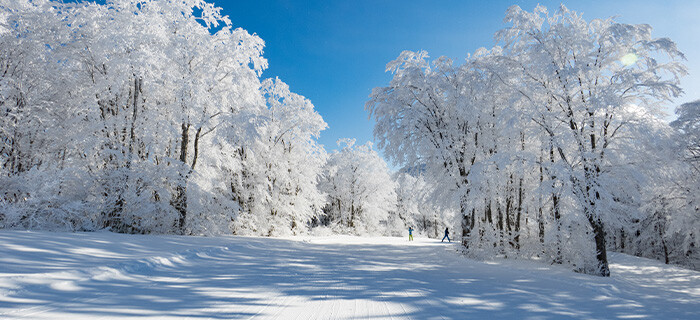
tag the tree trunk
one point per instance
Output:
(180, 205)
(519, 215)
(601, 252)
(540, 224)
(351, 223)
(488, 213)
(180, 201)
(519, 208)
(555, 210)
(466, 224)
(540, 214)
(557, 220)
(132, 133)
(623, 239)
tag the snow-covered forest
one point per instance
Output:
(550, 144)
(152, 116)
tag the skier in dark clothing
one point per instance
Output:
(447, 235)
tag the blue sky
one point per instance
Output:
(335, 52)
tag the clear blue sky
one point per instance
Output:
(335, 52)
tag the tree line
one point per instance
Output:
(152, 117)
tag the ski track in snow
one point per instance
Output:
(103, 275)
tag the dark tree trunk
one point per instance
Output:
(540, 214)
(623, 239)
(540, 224)
(196, 147)
(180, 205)
(180, 201)
(519, 215)
(489, 214)
(509, 209)
(132, 133)
(467, 224)
(351, 223)
(467, 217)
(557, 220)
(601, 252)
(465, 230)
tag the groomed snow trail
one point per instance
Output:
(113, 276)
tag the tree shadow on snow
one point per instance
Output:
(255, 277)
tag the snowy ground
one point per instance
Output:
(106, 276)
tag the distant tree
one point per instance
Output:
(415, 208)
(289, 162)
(360, 191)
(688, 122)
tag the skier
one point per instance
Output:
(447, 235)
(410, 234)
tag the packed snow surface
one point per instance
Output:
(107, 276)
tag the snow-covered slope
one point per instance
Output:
(105, 275)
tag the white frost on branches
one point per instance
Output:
(139, 116)
(541, 143)
(361, 193)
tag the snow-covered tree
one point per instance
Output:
(676, 207)
(533, 137)
(139, 116)
(289, 165)
(578, 77)
(415, 208)
(360, 192)
(688, 122)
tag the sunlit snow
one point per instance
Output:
(114, 276)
